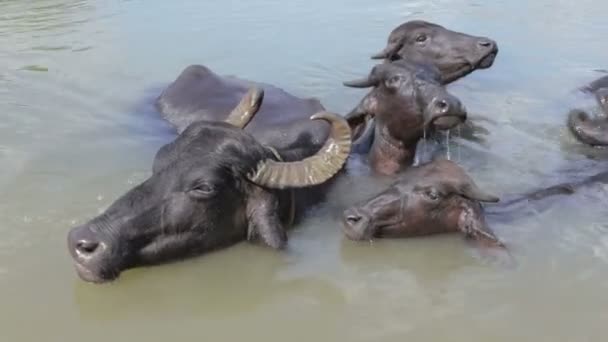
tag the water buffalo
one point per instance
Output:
(434, 49)
(214, 185)
(406, 101)
(455, 54)
(200, 94)
(592, 131)
(439, 197)
(436, 197)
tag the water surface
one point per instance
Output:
(76, 133)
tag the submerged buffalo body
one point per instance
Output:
(213, 186)
(592, 131)
(456, 54)
(198, 93)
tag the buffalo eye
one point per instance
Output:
(421, 38)
(432, 194)
(393, 82)
(202, 191)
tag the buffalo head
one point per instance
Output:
(438, 197)
(213, 186)
(406, 100)
(455, 54)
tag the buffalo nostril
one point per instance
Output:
(86, 247)
(353, 219)
(443, 106)
(485, 43)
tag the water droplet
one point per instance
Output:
(458, 146)
(423, 149)
(447, 144)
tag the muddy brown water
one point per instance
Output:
(75, 134)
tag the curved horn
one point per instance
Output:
(359, 117)
(361, 83)
(372, 80)
(473, 192)
(313, 170)
(246, 109)
(388, 52)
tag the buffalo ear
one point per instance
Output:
(359, 118)
(393, 83)
(357, 123)
(264, 220)
(389, 51)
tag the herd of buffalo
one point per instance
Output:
(250, 159)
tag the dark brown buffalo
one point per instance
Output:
(437, 197)
(424, 48)
(588, 130)
(456, 54)
(406, 101)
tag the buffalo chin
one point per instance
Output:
(94, 277)
(355, 236)
(464, 69)
(361, 230)
(446, 123)
(487, 61)
(461, 71)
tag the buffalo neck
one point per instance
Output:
(388, 155)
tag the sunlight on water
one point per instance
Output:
(78, 130)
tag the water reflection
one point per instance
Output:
(220, 292)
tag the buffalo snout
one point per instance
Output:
(445, 112)
(90, 253)
(356, 224)
(84, 245)
(487, 49)
(486, 44)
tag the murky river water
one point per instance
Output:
(74, 135)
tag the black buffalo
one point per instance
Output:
(213, 186)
